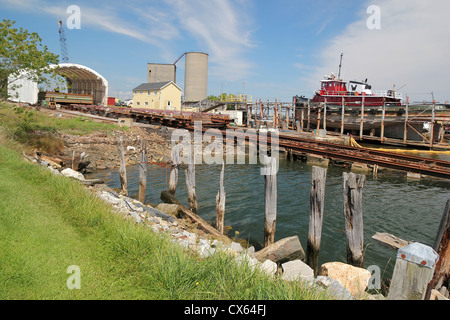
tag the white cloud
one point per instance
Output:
(411, 49)
(220, 29)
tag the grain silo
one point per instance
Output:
(196, 77)
(158, 72)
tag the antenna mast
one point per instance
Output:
(340, 66)
(62, 42)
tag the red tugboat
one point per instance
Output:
(335, 90)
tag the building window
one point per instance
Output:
(146, 103)
(138, 103)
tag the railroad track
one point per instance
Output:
(426, 166)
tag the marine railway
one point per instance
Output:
(290, 142)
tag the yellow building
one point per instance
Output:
(159, 95)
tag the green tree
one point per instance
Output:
(22, 56)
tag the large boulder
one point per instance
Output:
(352, 278)
(72, 174)
(296, 270)
(284, 250)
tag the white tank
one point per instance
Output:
(196, 76)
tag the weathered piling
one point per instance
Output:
(173, 178)
(123, 168)
(354, 233)
(270, 199)
(413, 271)
(143, 171)
(442, 247)
(190, 184)
(317, 200)
(220, 203)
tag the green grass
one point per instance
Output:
(48, 223)
(35, 129)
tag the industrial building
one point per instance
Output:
(158, 72)
(195, 77)
(160, 95)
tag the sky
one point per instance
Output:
(267, 49)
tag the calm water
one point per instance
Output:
(410, 210)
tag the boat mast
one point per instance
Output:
(340, 65)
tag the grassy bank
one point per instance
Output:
(48, 223)
(37, 130)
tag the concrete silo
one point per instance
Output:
(158, 72)
(196, 76)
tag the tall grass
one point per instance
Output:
(41, 131)
(48, 223)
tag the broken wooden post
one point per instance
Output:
(220, 203)
(442, 247)
(383, 117)
(412, 272)
(190, 184)
(317, 200)
(173, 178)
(123, 168)
(354, 233)
(143, 171)
(270, 199)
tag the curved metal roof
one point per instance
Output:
(80, 73)
(74, 71)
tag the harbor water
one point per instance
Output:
(409, 209)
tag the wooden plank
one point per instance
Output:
(184, 212)
(123, 168)
(270, 200)
(220, 203)
(389, 241)
(317, 201)
(143, 171)
(354, 233)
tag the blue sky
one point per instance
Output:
(277, 48)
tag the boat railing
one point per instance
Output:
(380, 93)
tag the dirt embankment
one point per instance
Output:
(102, 149)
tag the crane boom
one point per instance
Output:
(63, 42)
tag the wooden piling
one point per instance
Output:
(383, 116)
(413, 271)
(405, 127)
(143, 172)
(325, 115)
(173, 178)
(270, 199)
(190, 184)
(354, 233)
(123, 168)
(308, 115)
(442, 247)
(220, 203)
(317, 200)
(342, 116)
(361, 125)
